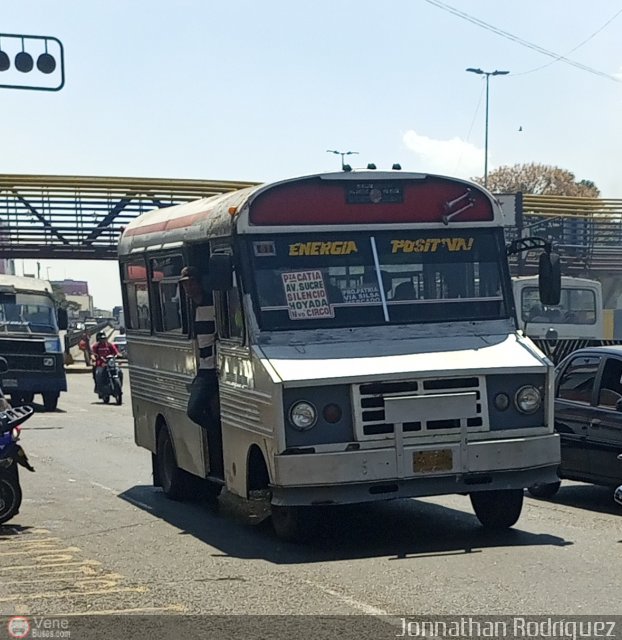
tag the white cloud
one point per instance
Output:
(453, 157)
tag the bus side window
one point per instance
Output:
(137, 295)
(168, 295)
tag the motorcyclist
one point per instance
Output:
(100, 351)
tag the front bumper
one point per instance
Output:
(383, 473)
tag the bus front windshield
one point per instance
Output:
(27, 313)
(576, 306)
(308, 281)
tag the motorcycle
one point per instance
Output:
(12, 455)
(111, 382)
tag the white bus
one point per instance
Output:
(30, 341)
(367, 346)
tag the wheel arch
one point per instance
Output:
(257, 472)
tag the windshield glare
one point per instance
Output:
(362, 279)
(27, 313)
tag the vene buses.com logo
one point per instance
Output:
(18, 627)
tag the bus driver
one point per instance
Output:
(203, 405)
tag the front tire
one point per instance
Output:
(50, 401)
(10, 496)
(546, 490)
(106, 399)
(498, 509)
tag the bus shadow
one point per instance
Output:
(404, 529)
(586, 496)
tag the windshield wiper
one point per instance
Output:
(467, 198)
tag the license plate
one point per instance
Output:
(437, 460)
(9, 383)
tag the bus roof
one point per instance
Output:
(347, 199)
(23, 283)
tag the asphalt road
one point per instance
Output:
(94, 536)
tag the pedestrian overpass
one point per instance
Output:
(76, 217)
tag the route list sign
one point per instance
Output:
(306, 295)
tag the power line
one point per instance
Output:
(521, 41)
(590, 37)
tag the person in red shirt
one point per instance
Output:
(100, 351)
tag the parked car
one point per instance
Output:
(121, 343)
(588, 417)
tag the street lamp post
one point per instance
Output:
(487, 74)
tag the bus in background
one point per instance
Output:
(578, 320)
(367, 349)
(30, 341)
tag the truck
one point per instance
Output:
(30, 341)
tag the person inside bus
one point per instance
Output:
(203, 406)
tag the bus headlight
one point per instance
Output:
(528, 399)
(302, 415)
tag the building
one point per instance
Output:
(76, 291)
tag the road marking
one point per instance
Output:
(368, 609)
(179, 608)
(53, 594)
(365, 608)
(25, 567)
(138, 503)
(40, 552)
(108, 576)
(27, 542)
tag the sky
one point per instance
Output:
(247, 90)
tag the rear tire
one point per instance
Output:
(106, 399)
(50, 401)
(546, 490)
(498, 509)
(10, 496)
(176, 483)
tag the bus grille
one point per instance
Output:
(370, 409)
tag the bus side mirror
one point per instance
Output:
(549, 279)
(221, 272)
(63, 320)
